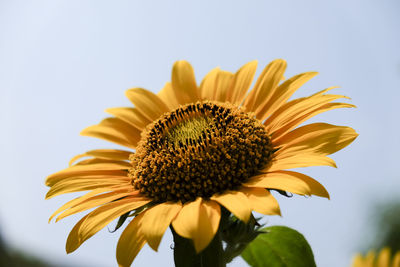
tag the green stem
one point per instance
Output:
(185, 254)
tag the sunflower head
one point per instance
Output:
(199, 154)
(199, 150)
(383, 259)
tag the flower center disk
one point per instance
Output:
(199, 150)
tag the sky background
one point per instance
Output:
(63, 62)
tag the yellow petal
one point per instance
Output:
(301, 105)
(111, 169)
(383, 258)
(114, 130)
(319, 138)
(110, 154)
(130, 115)
(322, 92)
(280, 181)
(89, 174)
(282, 94)
(358, 261)
(76, 185)
(293, 182)
(184, 83)
(297, 110)
(223, 85)
(396, 259)
(241, 82)
(207, 86)
(131, 242)
(280, 132)
(149, 104)
(132, 134)
(167, 95)
(265, 84)
(186, 223)
(213, 211)
(199, 221)
(96, 201)
(100, 217)
(369, 259)
(73, 241)
(300, 161)
(262, 201)
(156, 221)
(236, 202)
(78, 200)
(92, 161)
(107, 134)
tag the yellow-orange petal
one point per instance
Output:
(396, 259)
(199, 221)
(100, 217)
(167, 95)
(300, 161)
(83, 198)
(295, 110)
(236, 202)
(213, 211)
(223, 84)
(156, 220)
(290, 181)
(383, 258)
(279, 181)
(262, 201)
(131, 242)
(78, 184)
(92, 175)
(370, 258)
(91, 161)
(265, 85)
(101, 169)
(184, 83)
(114, 130)
(282, 94)
(241, 82)
(131, 116)
(96, 201)
(73, 240)
(186, 222)
(207, 86)
(149, 104)
(302, 104)
(358, 261)
(318, 138)
(130, 133)
(294, 122)
(78, 200)
(108, 154)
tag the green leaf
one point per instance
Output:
(279, 246)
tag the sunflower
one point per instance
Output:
(195, 152)
(383, 260)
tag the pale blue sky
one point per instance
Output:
(63, 62)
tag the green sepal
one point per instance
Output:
(237, 235)
(121, 221)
